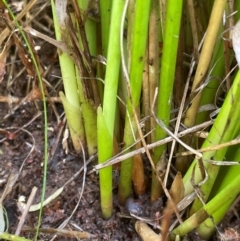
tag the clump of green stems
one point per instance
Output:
(120, 32)
(122, 90)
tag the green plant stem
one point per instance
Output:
(105, 7)
(231, 190)
(105, 12)
(237, 15)
(89, 117)
(66, 63)
(206, 229)
(75, 126)
(215, 136)
(69, 79)
(140, 30)
(87, 112)
(105, 143)
(168, 62)
(229, 134)
(107, 118)
(90, 25)
(201, 73)
(7, 236)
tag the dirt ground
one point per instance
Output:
(22, 151)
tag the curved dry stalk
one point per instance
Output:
(121, 157)
(212, 148)
(160, 123)
(78, 235)
(146, 233)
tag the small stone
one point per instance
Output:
(134, 207)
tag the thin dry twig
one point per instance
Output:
(78, 235)
(178, 122)
(121, 157)
(17, 100)
(161, 124)
(56, 142)
(25, 211)
(212, 148)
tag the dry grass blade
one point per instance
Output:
(62, 46)
(161, 124)
(17, 100)
(3, 56)
(63, 232)
(24, 56)
(11, 181)
(6, 32)
(122, 157)
(211, 148)
(36, 207)
(185, 202)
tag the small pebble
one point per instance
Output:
(89, 212)
(134, 207)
